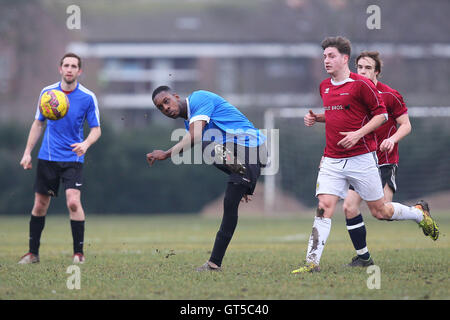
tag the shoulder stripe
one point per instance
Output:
(52, 86)
(378, 103)
(94, 99)
(398, 100)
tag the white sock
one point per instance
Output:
(319, 235)
(402, 212)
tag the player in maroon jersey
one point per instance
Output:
(353, 110)
(369, 64)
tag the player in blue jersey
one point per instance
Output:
(61, 157)
(231, 141)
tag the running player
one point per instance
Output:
(369, 64)
(235, 145)
(353, 110)
(61, 157)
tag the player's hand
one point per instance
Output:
(26, 162)
(387, 145)
(246, 198)
(350, 139)
(80, 148)
(310, 119)
(156, 155)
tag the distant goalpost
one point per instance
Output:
(295, 162)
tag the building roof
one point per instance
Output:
(262, 21)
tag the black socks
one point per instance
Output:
(357, 232)
(233, 196)
(36, 226)
(78, 235)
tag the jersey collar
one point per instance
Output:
(59, 86)
(341, 82)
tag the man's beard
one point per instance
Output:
(70, 81)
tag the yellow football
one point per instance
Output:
(54, 104)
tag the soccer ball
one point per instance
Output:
(54, 104)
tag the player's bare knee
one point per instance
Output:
(40, 207)
(74, 205)
(39, 211)
(350, 210)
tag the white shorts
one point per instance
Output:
(335, 176)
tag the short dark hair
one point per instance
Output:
(375, 55)
(160, 89)
(342, 44)
(71, 55)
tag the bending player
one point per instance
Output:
(236, 151)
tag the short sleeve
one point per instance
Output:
(201, 106)
(38, 115)
(370, 97)
(93, 114)
(399, 105)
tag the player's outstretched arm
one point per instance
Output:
(33, 137)
(193, 136)
(81, 147)
(352, 137)
(403, 130)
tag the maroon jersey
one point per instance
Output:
(395, 107)
(348, 106)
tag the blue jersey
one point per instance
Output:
(226, 120)
(60, 134)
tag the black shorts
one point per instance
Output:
(388, 175)
(51, 173)
(253, 166)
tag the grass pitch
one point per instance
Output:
(154, 257)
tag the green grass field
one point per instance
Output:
(154, 257)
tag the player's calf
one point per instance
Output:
(380, 210)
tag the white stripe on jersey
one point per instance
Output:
(48, 145)
(52, 86)
(378, 103)
(188, 109)
(94, 98)
(401, 105)
(363, 138)
(201, 117)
